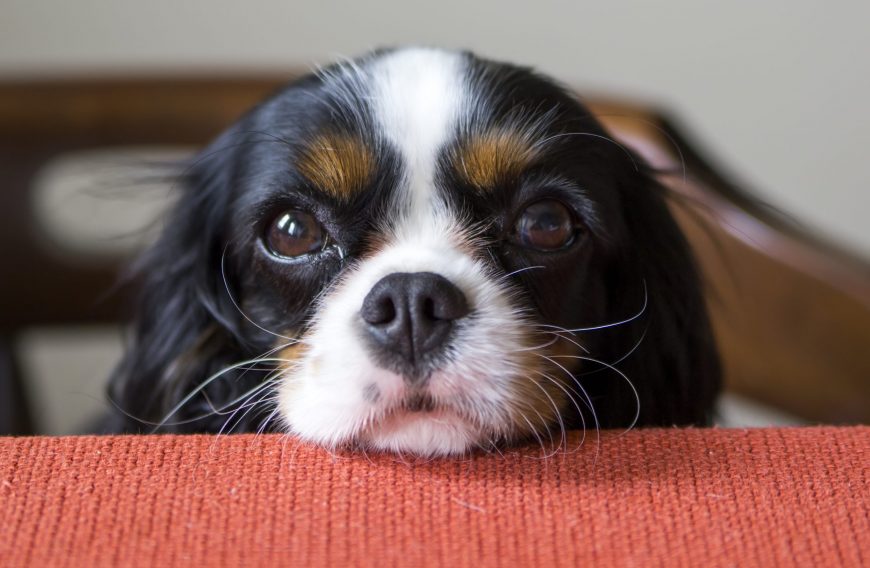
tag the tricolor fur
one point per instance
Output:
(418, 161)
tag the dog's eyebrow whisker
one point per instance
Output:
(663, 131)
(272, 137)
(599, 136)
(191, 165)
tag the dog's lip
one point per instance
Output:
(419, 402)
(402, 414)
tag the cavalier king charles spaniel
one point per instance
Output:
(418, 251)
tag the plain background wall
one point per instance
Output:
(778, 90)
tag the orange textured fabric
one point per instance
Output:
(766, 497)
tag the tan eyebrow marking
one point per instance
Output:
(487, 158)
(338, 164)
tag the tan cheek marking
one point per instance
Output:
(291, 355)
(338, 164)
(487, 159)
(373, 245)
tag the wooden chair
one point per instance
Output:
(791, 312)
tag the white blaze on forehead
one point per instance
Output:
(417, 94)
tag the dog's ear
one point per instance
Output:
(667, 351)
(185, 326)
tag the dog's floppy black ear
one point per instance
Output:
(674, 365)
(185, 327)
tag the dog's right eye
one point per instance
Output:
(295, 233)
(546, 226)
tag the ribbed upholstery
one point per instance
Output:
(682, 497)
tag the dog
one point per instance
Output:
(418, 251)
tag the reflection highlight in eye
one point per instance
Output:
(295, 233)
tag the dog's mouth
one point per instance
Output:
(420, 406)
(418, 402)
(422, 425)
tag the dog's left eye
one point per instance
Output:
(545, 225)
(295, 233)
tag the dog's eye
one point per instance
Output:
(545, 225)
(294, 233)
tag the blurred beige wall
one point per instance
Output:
(777, 89)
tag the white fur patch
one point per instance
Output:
(418, 95)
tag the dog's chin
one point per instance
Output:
(430, 433)
(424, 432)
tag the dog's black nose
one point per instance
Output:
(409, 316)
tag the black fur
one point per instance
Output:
(209, 265)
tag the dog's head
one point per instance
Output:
(419, 251)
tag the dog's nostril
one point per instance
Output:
(409, 317)
(381, 311)
(429, 308)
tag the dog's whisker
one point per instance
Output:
(191, 420)
(587, 400)
(247, 405)
(613, 368)
(561, 335)
(573, 401)
(662, 131)
(265, 424)
(236, 305)
(520, 270)
(617, 362)
(558, 415)
(556, 338)
(607, 325)
(533, 431)
(199, 388)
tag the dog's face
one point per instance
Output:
(425, 252)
